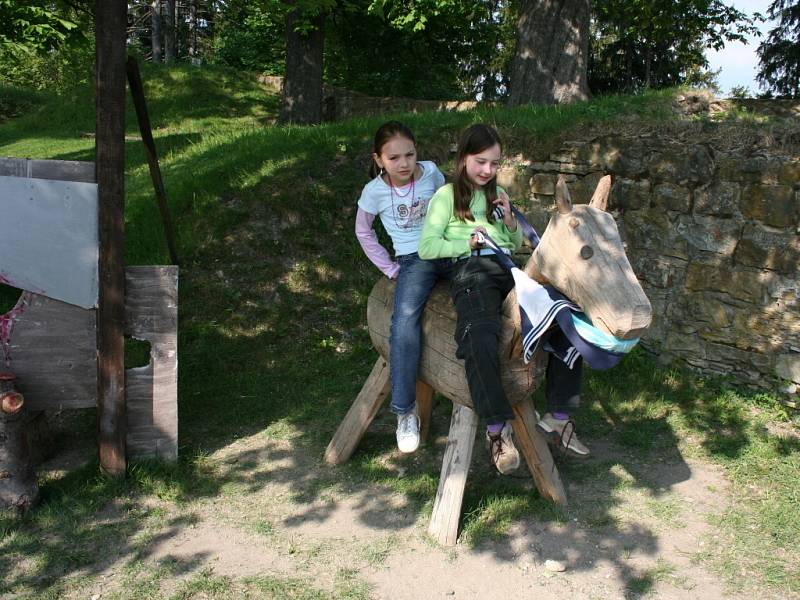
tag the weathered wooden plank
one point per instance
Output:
(49, 239)
(63, 170)
(151, 392)
(455, 467)
(110, 24)
(52, 348)
(361, 414)
(534, 448)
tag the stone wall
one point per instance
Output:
(711, 228)
(339, 103)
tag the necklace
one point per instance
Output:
(404, 210)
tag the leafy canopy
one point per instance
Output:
(779, 54)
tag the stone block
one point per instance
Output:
(720, 199)
(651, 230)
(629, 194)
(543, 183)
(514, 180)
(749, 170)
(789, 173)
(668, 196)
(742, 285)
(787, 366)
(581, 190)
(773, 205)
(686, 165)
(765, 248)
(710, 234)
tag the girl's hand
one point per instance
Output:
(508, 216)
(474, 242)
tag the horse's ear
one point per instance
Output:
(600, 197)
(563, 200)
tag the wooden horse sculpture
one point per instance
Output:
(580, 254)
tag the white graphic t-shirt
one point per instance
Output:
(402, 210)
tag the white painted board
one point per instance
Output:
(49, 238)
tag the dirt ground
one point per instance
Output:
(270, 518)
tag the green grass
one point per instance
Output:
(273, 344)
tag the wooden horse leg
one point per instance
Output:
(537, 454)
(424, 408)
(360, 415)
(455, 466)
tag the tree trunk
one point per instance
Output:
(169, 31)
(552, 53)
(302, 81)
(192, 42)
(155, 35)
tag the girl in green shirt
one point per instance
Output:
(456, 213)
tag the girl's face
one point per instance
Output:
(482, 167)
(398, 158)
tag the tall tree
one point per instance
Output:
(155, 34)
(192, 42)
(552, 54)
(639, 44)
(170, 52)
(779, 54)
(302, 79)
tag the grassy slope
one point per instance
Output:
(273, 337)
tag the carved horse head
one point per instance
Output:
(581, 254)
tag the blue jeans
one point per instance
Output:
(414, 284)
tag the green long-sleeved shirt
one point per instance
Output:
(443, 235)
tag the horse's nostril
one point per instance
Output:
(586, 252)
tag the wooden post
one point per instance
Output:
(110, 31)
(18, 488)
(455, 466)
(139, 103)
(425, 395)
(360, 415)
(537, 454)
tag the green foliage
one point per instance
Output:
(637, 44)
(46, 45)
(779, 54)
(32, 27)
(250, 35)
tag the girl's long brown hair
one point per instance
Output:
(474, 140)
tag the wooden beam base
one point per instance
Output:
(534, 448)
(360, 415)
(453, 479)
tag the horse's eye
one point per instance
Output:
(586, 252)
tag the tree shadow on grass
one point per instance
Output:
(273, 343)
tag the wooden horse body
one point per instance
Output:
(582, 255)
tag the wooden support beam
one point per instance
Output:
(110, 31)
(139, 103)
(425, 395)
(360, 415)
(455, 467)
(534, 448)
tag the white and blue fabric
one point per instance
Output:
(551, 320)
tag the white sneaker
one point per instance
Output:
(562, 433)
(408, 432)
